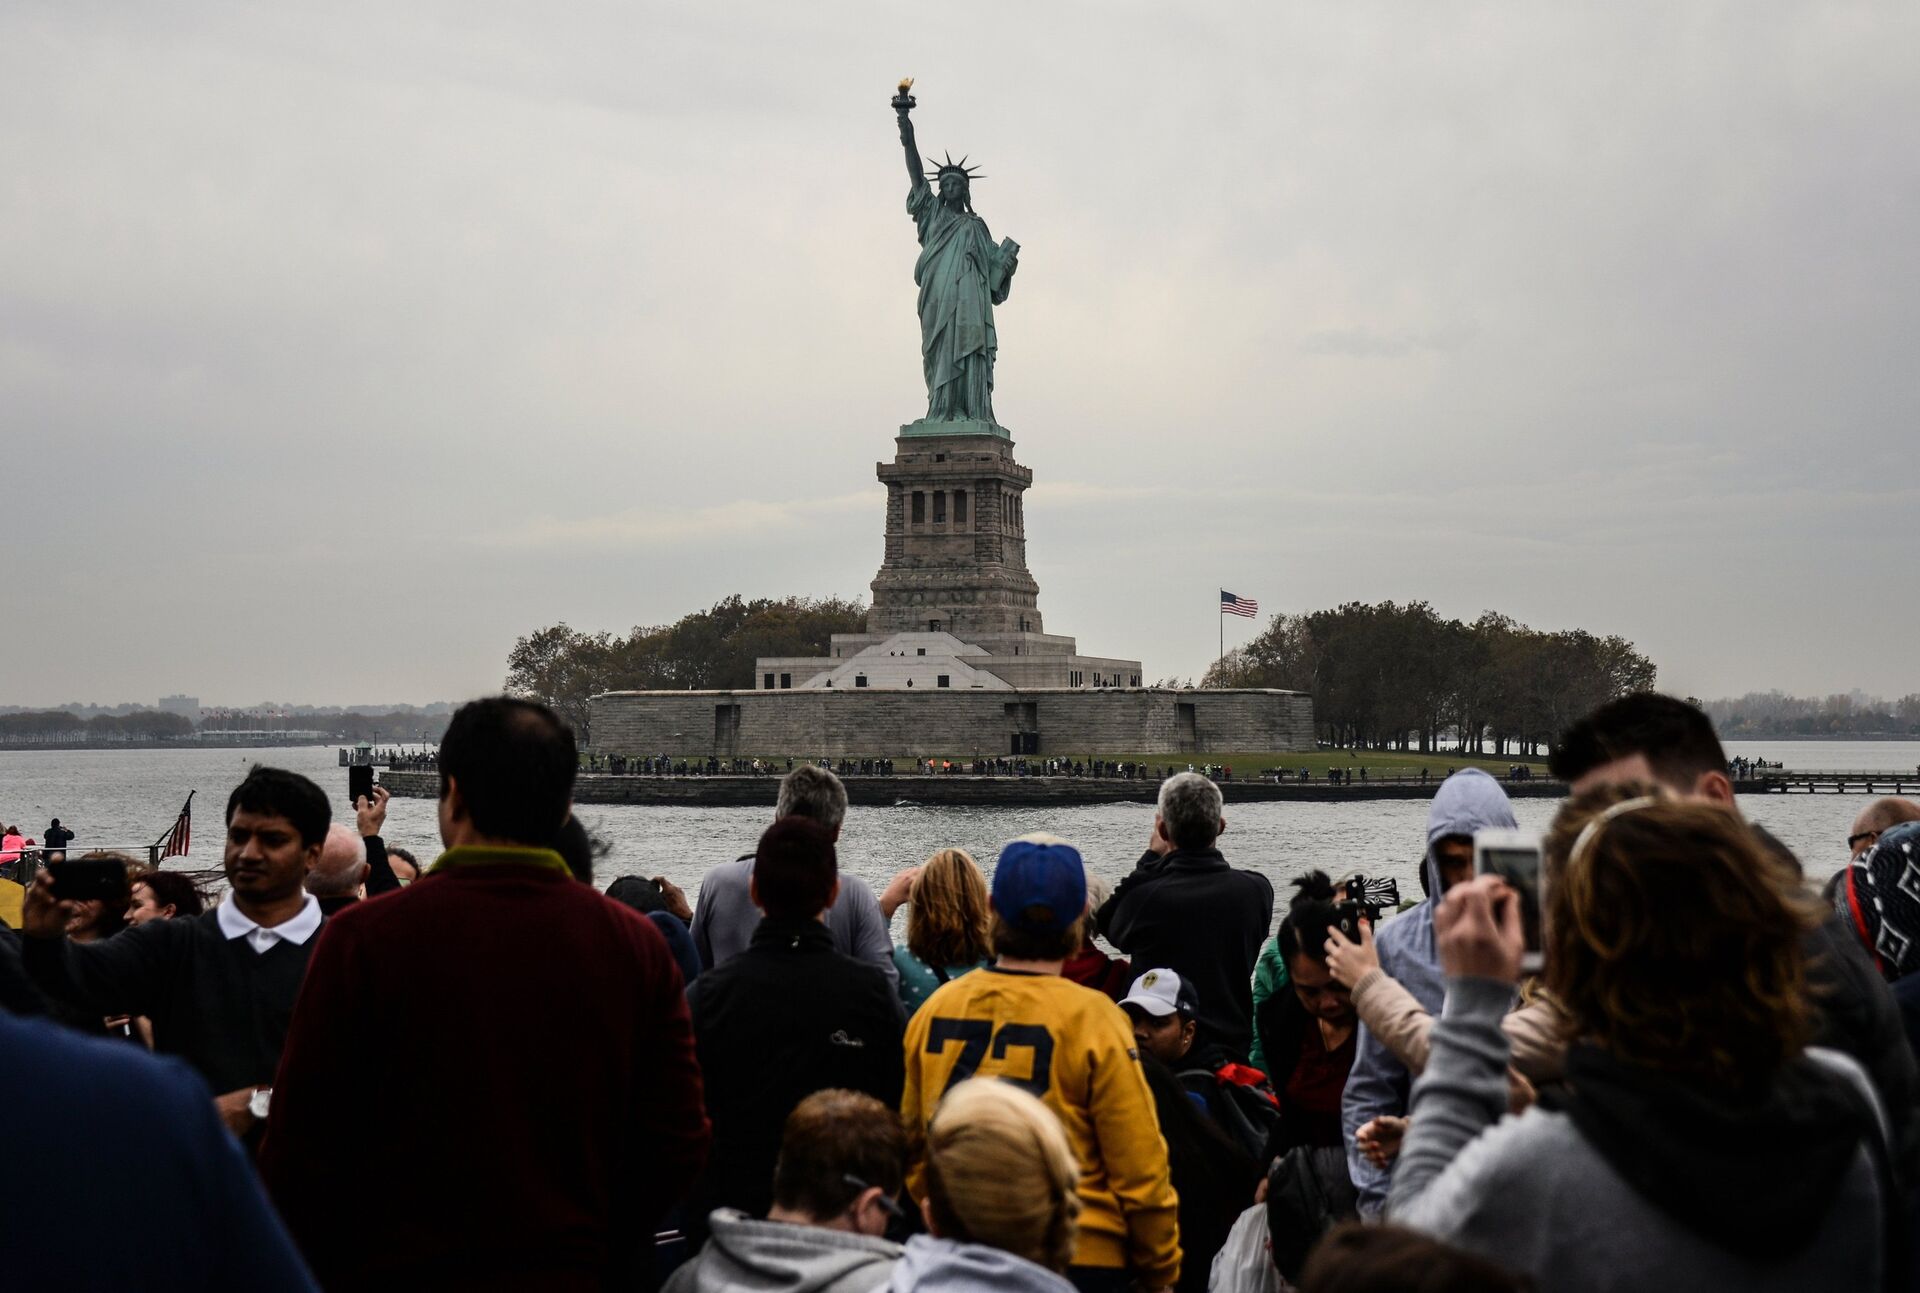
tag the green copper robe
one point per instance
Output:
(962, 275)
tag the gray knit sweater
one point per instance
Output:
(1534, 1195)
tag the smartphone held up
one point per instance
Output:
(81, 879)
(1514, 856)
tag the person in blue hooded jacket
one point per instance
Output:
(1379, 1084)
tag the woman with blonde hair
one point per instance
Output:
(1000, 1203)
(947, 921)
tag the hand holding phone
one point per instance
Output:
(1514, 856)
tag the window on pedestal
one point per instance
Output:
(920, 651)
(769, 686)
(919, 507)
(786, 681)
(933, 626)
(939, 507)
(859, 680)
(942, 680)
(959, 507)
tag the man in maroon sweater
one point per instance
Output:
(490, 1079)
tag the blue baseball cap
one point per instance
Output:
(1039, 888)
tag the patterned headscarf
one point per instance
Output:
(1881, 899)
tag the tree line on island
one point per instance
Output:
(58, 727)
(710, 650)
(1396, 677)
(1772, 715)
(1385, 676)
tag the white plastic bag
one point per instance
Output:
(1244, 1263)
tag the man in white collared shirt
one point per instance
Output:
(219, 987)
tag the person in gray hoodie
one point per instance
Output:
(1378, 1084)
(843, 1160)
(1699, 1143)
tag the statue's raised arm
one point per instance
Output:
(962, 274)
(902, 105)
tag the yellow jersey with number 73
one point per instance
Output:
(1072, 1047)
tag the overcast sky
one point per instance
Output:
(342, 344)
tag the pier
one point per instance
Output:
(1788, 781)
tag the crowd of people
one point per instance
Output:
(356, 1071)
(664, 765)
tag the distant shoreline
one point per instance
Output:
(211, 743)
(1906, 739)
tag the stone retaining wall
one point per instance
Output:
(872, 723)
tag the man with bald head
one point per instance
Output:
(353, 863)
(1880, 815)
(339, 877)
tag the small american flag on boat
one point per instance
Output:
(1231, 605)
(178, 840)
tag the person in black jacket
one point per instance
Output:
(220, 987)
(787, 1017)
(1184, 909)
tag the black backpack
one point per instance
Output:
(1308, 1193)
(1241, 1100)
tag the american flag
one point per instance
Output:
(180, 838)
(1231, 605)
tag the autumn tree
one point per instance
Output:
(712, 649)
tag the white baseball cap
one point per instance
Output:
(1161, 993)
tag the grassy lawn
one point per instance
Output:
(1246, 763)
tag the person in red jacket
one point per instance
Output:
(497, 1044)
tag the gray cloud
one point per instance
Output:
(340, 345)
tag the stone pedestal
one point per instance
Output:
(956, 547)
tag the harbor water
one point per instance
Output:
(128, 798)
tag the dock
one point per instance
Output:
(1789, 781)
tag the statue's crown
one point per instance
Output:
(951, 167)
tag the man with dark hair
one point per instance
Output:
(1650, 738)
(843, 1157)
(220, 987)
(1644, 736)
(542, 1033)
(787, 1017)
(514, 762)
(55, 840)
(1184, 909)
(1018, 1020)
(724, 915)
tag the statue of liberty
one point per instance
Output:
(962, 275)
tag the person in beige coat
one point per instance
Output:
(1403, 1025)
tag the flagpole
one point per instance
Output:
(1220, 613)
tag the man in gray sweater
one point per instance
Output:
(1642, 1178)
(724, 916)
